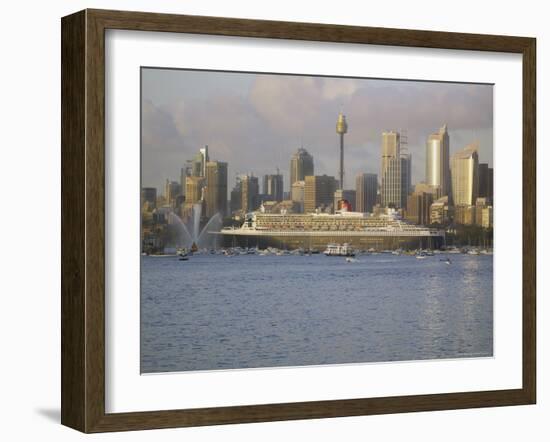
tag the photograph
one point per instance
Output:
(293, 220)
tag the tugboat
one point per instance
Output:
(339, 250)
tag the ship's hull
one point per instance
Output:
(320, 240)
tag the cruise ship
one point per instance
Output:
(315, 231)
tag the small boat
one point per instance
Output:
(421, 255)
(446, 261)
(350, 259)
(183, 258)
(339, 250)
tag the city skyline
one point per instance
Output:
(183, 108)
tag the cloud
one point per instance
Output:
(339, 88)
(287, 104)
(258, 128)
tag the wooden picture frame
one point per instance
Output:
(83, 220)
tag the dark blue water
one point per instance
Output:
(217, 312)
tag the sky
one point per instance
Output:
(255, 121)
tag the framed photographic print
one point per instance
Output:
(267, 220)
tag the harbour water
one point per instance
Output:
(217, 312)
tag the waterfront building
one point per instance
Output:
(319, 193)
(171, 190)
(215, 192)
(149, 197)
(301, 165)
(437, 162)
(273, 186)
(250, 191)
(464, 176)
(485, 179)
(439, 211)
(487, 217)
(297, 194)
(465, 214)
(484, 212)
(366, 187)
(419, 208)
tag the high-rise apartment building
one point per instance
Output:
(318, 192)
(366, 188)
(437, 162)
(301, 165)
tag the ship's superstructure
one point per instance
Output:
(317, 230)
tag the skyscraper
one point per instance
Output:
(193, 189)
(197, 166)
(149, 195)
(249, 193)
(273, 186)
(406, 179)
(419, 207)
(341, 130)
(395, 171)
(366, 186)
(464, 176)
(297, 194)
(301, 165)
(235, 202)
(318, 192)
(171, 190)
(184, 173)
(485, 177)
(390, 149)
(437, 162)
(205, 158)
(216, 188)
